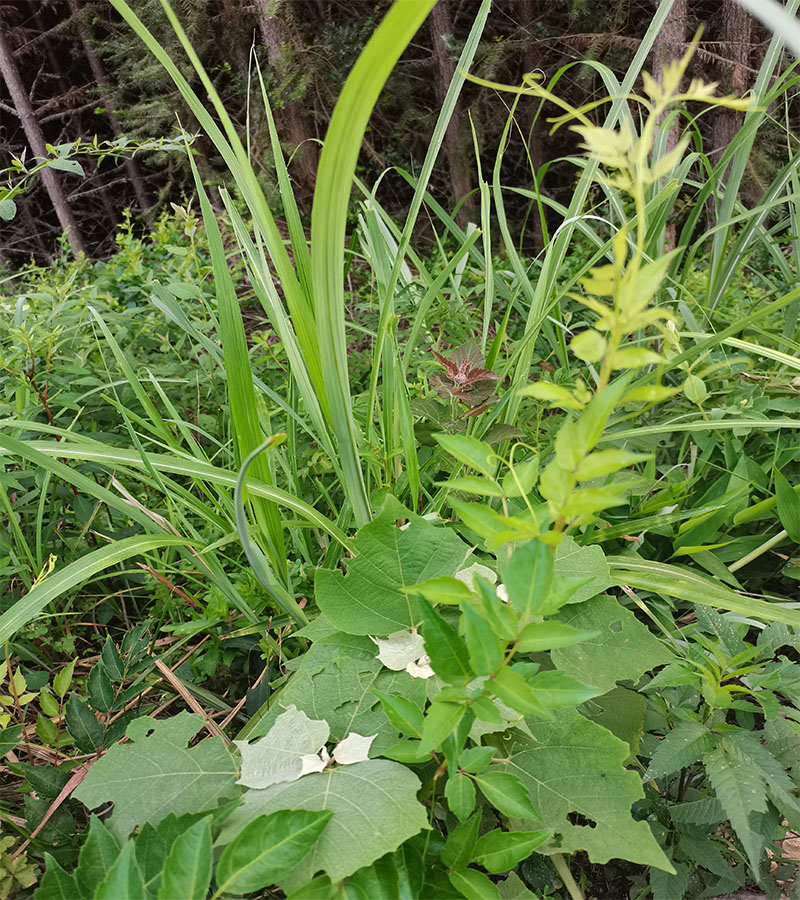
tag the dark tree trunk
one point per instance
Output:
(534, 127)
(735, 33)
(294, 126)
(33, 134)
(669, 45)
(101, 78)
(458, 163)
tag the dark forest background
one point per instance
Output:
(71, 69)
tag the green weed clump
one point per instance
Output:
(474, 581)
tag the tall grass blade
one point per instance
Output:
(329, 220)
(247, 433)
(76, 573)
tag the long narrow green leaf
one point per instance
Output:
(76, 573)
(329, 219)
(255, 557)
(684, 584)
(48, 453)
(241, 393)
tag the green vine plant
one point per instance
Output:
(456, 712)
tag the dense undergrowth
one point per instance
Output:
(462, 575)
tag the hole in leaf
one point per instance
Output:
(576, 818)
(616, 627)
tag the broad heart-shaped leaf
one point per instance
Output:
(370, 598)
(374, 806)
(268, 848)
(574, 561)
(157, 774)
(335, 682)
(278, 756)
(621, 648)
(570, 765)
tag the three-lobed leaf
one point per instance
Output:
(157, 773)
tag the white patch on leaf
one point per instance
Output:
(399, 649)
(466, 576)
(279, 755)
(354, 748)
(421, 668)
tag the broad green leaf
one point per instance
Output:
(571, 765)
(62, 681)
(460, 794)
(554, 394)
(448, 655)
(635, 358)
(476, 759)
(506, 792)
(154, 842)
(444, 589)
(375, 800)
(395, 876)
(604, 462)
(512, 689)
(98, 854)
(501, 618)
(520, 481)
(555, 690)
(469, 450)
(589, 346)
(498, 851)
(157, 774)
(684, 745)
(403, 714)
(788, 507)
(56, 883)
(9, 738)
(622, 712)
(187, 870)
(695, 389)
(370, 598)
(268, 848)
(621, 648)
(474, 885)
(101, 691)
(528, 577)
(461, 842)
(334, 681)
(485, 648)
(538, 636)
(124, 880)
(513, 888)
(278, 756)
(441, 719)
(473, 484)
(8, 209)
(83, 725)
(66, 165)
(574, 561)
